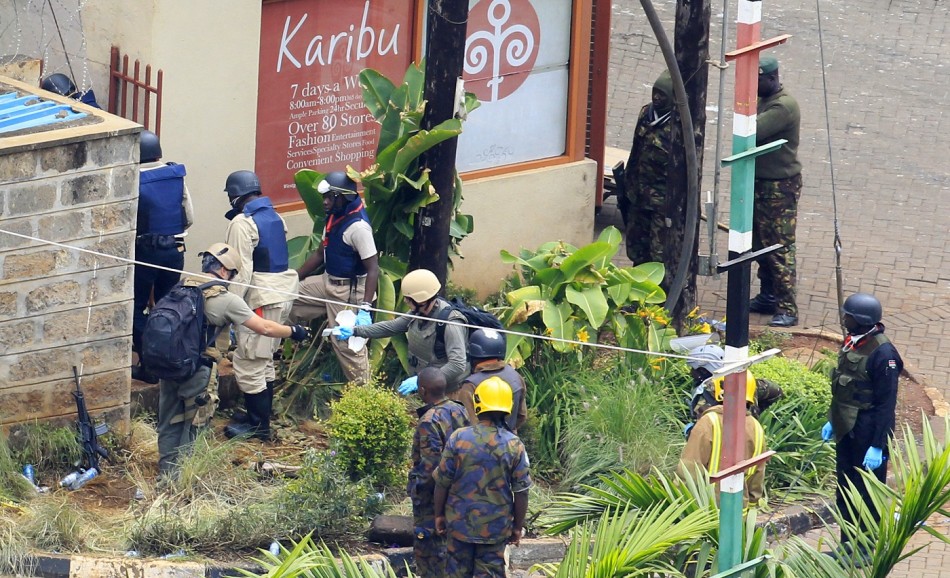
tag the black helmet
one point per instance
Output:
(60, 84)
(486, 344)
(150, 149)
(864, 308)
(338, 181)
(242, 183)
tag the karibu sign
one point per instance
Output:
(310, 111)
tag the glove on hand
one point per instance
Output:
(300, 333)
(363, 318)
(688, 428)
(409, 385)
(873, 458)
(343, 333)
(827, 432)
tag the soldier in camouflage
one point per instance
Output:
(438, 418)
(481, 493)
(778, 186)
(644, 208)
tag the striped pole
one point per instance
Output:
(748, 33)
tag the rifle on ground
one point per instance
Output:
(88, 432)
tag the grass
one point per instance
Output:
(46, 446)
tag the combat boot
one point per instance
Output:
(258, 418)
(240, 416)
(764, 303)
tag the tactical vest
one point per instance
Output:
(758, 443)
(210, 292)
(341, 259)
(270, 255)
(421, 338)
(512, 378)
(851, 388)
(161, 192)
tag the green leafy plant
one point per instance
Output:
(304, 558)
(797, 382)
(574, 293)
(803, 465)
(370, 430)
(48, 447)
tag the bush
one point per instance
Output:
(797, 381)
(323, 500)
(370, 430)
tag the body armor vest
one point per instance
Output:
(851, 390)
(270, 255)
(512, 378)
(161, 192)
(422, 337)
(341, 259)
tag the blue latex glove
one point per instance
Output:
(409, 385)
(343, 333)
(688, 428)
(827, 432)
(363, 318)
(873, 458)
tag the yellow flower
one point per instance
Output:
(705, 328)
(582, 335)
(548, 331)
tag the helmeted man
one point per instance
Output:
(705, 360)
(351, 273)
(863, 402)
(486, 350)
(481, 493)
(183, 406)
(438, 418)
(164, 213)
(778, 186)
(645, 207)
(259, 235)
(63, 85)
(704, 440)
(428, 345)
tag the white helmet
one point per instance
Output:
(709, 357)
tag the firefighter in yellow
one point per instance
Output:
(704, 440)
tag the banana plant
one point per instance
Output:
(571, 293)
(395, 188)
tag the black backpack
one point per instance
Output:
(176, 333)
(473, 316)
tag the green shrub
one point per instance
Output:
(323, 500)
(51, 449)
(803, 463)
(370, 430)
(796, 380)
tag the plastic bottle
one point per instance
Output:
(29, 474)
(69, 479)
(274, 548)
(85, 477)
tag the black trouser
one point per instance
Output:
(849, 458)
(147, 279)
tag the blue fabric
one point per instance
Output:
(270, 254)
(147, 279)
(341, 259)
(161, 192)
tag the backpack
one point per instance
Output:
(176, 333)
(473, 316)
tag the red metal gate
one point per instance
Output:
(141, 89)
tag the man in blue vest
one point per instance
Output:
(351, 269)
(164, 212)
(268, 285)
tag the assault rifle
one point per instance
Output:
(88, 432)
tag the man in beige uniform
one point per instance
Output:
(183, 406)
(259, 235)
(351, 270)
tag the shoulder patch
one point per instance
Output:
(892, 364)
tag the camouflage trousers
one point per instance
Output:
(646, 229)
(774, 218)
(468, 560)
(176, 417)
(428, 548)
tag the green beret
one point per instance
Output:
(767, 64)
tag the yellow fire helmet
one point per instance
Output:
(493, 394)
(749, 388)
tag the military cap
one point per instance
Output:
(767, 64)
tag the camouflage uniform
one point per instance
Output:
(645, 208)
(436, 424)
(778, 186)
(482, 467)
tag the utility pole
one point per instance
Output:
(691, 45)
(445, 54)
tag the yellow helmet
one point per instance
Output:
(420, 285)
(493, 394)
(749, 388)
(225, 254)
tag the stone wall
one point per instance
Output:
(60, 307)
